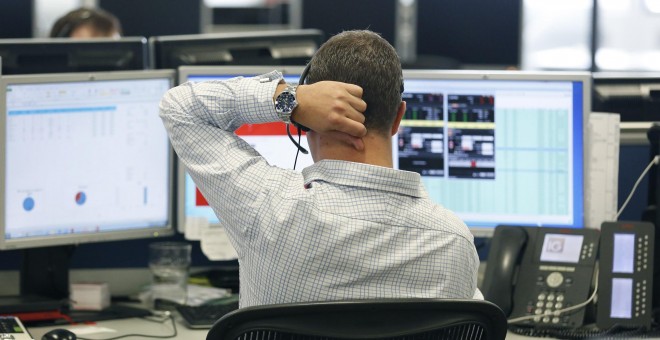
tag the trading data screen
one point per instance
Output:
(85, 158)
(497, 151)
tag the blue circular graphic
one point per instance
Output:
(81, 198)
(28, 204)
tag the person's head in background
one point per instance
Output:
(87, 23)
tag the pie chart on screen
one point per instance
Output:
(81, 197)
(28, 203)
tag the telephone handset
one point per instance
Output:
(536, 271)
(625, 282)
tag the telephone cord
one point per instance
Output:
(561, 311)
(654, 161)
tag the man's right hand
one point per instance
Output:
(330, 106)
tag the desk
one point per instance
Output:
(132, 326)
(140, 326)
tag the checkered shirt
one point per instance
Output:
(338, 230)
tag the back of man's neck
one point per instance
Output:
(377, 151)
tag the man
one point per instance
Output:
(86, 23)
(349, 226)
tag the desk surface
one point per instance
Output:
(114, 328)
(141, 326)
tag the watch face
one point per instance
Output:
(286, 102)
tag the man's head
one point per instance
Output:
(87, 23)
(365, 59)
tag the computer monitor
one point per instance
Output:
(276, 47)
(85, 159)
(626, 35)
(63, 55)
(634, 95)
(270, 140)
(498, 147)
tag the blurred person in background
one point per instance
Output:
(86, 23)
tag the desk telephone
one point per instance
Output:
(539, 272)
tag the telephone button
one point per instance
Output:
(546, 319)
(551, 297)
(539, 304)
(541, 297)
(555, 279)
(555, 320)
(560, 297)
(559, 305)
(549, 304)
(538, 311)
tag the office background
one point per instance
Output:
(455, 34)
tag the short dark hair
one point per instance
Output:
(365, 59)
(101, 20)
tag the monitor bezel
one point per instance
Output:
(579, 76)
(184, 72)
(68, 44)
(162, 44)
(75, 239)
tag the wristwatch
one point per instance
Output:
(286, 102)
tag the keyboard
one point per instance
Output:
(11, 328)
(204, 316)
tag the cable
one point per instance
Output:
(561, 311)
(169, 317)
(654, 161)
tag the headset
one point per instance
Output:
(300, 127)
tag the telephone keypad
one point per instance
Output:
(547, 303)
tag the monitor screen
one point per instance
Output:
(62, 55)
(270, 140)
(498, 147)
(274, 47)
(86, 158)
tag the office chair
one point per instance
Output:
(409, 319)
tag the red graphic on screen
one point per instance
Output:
(200, 200)
(269, 129)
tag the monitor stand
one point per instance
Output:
(44, 291)
(44, 283)
(45, 272)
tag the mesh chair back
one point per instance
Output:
(409, 319)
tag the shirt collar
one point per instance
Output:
(365, 176)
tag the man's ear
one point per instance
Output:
(399, 116)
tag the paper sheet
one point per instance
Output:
(91, 329)
(194, 227)
(602, 164)
(216, 245)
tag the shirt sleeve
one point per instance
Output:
(201, 118)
